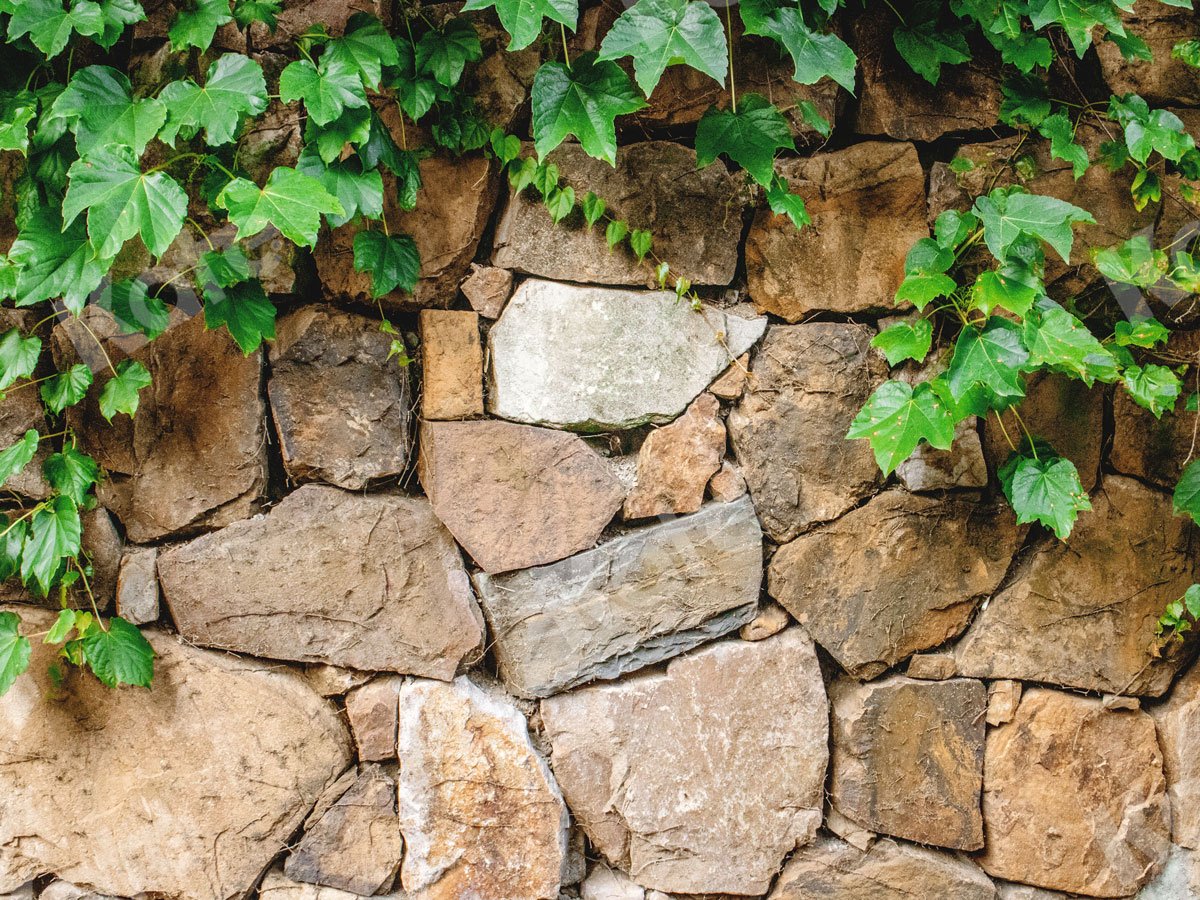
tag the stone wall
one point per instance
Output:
(593, 600)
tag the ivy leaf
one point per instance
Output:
(120, 393)
(1134, 262)
(1188, 52)
(897, 417)
(662, 33)
(50, 25)
(1012, 286)
(1153, 387)
(583, 100)
(55, 262)
(1078, 18)
(66, 388)
(120, 655)
(99, 104)
(72, 473)
(244, 309)
(560, 202)
(61, 628)
(815, 54)
(17, 110)
(1057, 339)
(593, 209)
(135, 310)
(1045, 490)
(392, 260)
(1132, 47)
(1006, 216)
(1186, 500)
(905, 341)
(364, 48)
(924, 278)
(615, 232)
(122, 201)
(15, 458)
(522, 19)
(360, 192)
(197, 26)
(750, 136)
(54, 533)
(18, 357)
(639, 242)
(291, 201)
(353, 126)
(783, 202)
(992, 357)
(222, 268)
(326, 90)
(445, 52)
(233, 86)
(1140, 331)
(15, 650)
(1026, 101)
(925, 46)
(1061, 134)
(247, 12)
(1147, 130)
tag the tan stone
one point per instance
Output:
(1074, 797)
(222, 753)
(1084, 613)
(676, 461)
(103, 546)
(901, 574)
(333, 681)
(850, 832)
(671, 774)
(604, 883)
(480, 812)
(63, 890)
(1003, 699)
(727, 484)
(451, 365)
(137, 585)
(730, 385)
(1178, 722)
(487, 289)
(514, 495)
(373, 709)
(931, 666)
(1164, 81)
(771, 619)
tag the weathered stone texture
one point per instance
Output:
(1165, 81)
(137, 585)
(1178, 722)
(373, 709)
(451, 365)
(676, 461)
(487, 289)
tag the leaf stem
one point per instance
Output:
(91, 597)
(729, 38)
(566, 49)
(903, 24)
(99, 344)
(1004, 431)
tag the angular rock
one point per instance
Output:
(676, 461)
(730, 385)
(727, 484)
(367, 581)
(901, 574)
(604, 883)
(1007, 891)
(807, 384)
(1165, 81)
(487, 289)
(1178, 880)
(297, 17)
(373, 709)
(271, 257)
(829, 869)
(962, 466)
(770, 619)
(516, 496)
(1083, 614)
(868, 208)
(266, 746)
(103, 546)
(342, 409)
(1003, 699)
(277, 886)
(64, 890)
(355, 845)
(672, 775)
(334, 681)
(908, 758)
(480, 812)
(695, 215)
(1178, 722)
(633, 601)
(137, 585)
(451, 365)
(595, 359)
(1074, 797)
(931, 666)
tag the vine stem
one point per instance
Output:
(1028, 435)
(729, 33)
(566, 50)
(1004, 431)
(99, 344)
(91, 597)
(897, 12)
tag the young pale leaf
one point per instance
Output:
(905, 340)
(1188, 52)
(1140, 331)
(392, 260)
(1134, 262)
(244, 309)
(1147, 130)
(593, 209)
(1153, 387)
(291, 201)
(445, 52)
(98, 103)
(119, 655)
(54, 533)
(72, 473)
(639, 242)
(522, 19)
(14, 459)
(991, 357)
(584, 100)
(1187, 492)
(560, 202)
(897, 417)
(120, 393)
(17, 110)
(750, 136)
(55, 262)
(18, 357)
(61, 628)
(615, 232)
(1045, 490)
(662, 33)
(15, 650)
(327, 90)
(1007, 215)
(234, 86)
(815, 54)
(66, 388)
(196, 24)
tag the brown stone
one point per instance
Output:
(451, 365)
(1165, 81)
(931, 666)
(334, 681)
(372, 710)
(367, 581)
(480, 812)
(1003, 699)
(1084, 613)
(908, 758)
(487, 289)
(514, 495)
(695, 215)
(271, 256)
(671, 778)
(297, 17)
(730, 385)
(676, 461)
(807, 384)
(103, 547)
(1074, 797)
(771, 619)
(342, 409)
(137, 585)
(727, 484)
(222, 753)
(868, 208)
(901, 574)
(1178, 722)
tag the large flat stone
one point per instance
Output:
(1083, 613)
(1074, 797)
(700, 779)
(480, 812)
(185, 792)
(1178, 722)
(365, 581)
(807, 384)
(631, 602)
(516, 496)
(593, 359)
(900, 574)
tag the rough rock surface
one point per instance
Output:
(1083, 613)
(367, 581)
(137, 585)
(487, 289)
(373, 709)
(695, 214)
(807, 383)
(962, 466)
(1166, 81)
(701, 778)
(868, 208)
(1178, 880)
(676, 461)
(900, 574)
(1074, 797)
(633, 601)
(1178, 722)
(480, 812)
(829, 869)
(231, 754)
(452, 364)
(342, 410)
(516, 496)
(908, 758)
(592, 359)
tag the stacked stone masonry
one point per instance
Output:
(592, 600)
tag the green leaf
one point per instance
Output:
(17, 110)
(54, 533)
(15, 650)
(662, 33)
(593, 209)
(291, 201)
(783, 202)
(522, 19)
(749, 136)
(1026, 101)
(244, 309)
(583, 100)
(55, 262)
(222, 268)
(72, 473)
(560, 202)
(197, 26)
(445, 52)
(815, 54)
(15, 458)
(1134, 262)
(353, 126)
(1012, 287)
(135, 310)
(1061, 134)
(393, 261)
(234, 86)
(247, 12)
(1078, 18)
(66, 388)
(1153, 387)
(905, 340)
(1147, 130)
(813, 119)
(639, 242)
(615, 232)
(116, 15)
(98, 103)
(1045, 490)
(1140, 331)
(120, 393)
(120, 655)
(1006, 216)
(925, 46)
(18, 357)
(1057, 339)
(122, 201)
(50, 25)
(364, 48)
(1132, 47)
(992, 357)
(326, 90)
(1186, 500)
(360, 192)
(923, 281)
(1188, 52)
(61, 628)
(897, 417)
